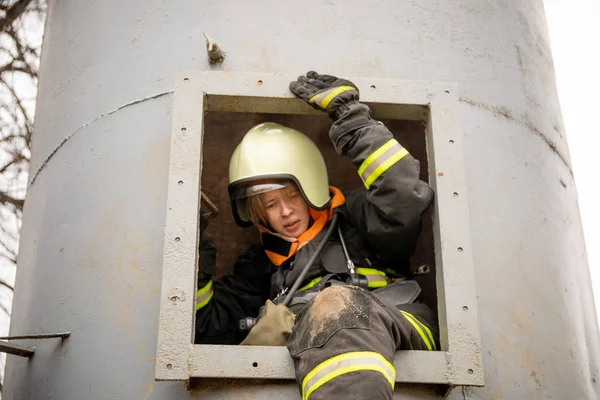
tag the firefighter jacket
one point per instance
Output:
(380, 224)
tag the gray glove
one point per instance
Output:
(273, 328)
(326, 92)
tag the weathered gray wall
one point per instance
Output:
(91, 248)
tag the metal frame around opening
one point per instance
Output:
(436, 104)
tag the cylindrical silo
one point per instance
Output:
(92, 240)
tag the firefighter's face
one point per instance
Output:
(286, 211)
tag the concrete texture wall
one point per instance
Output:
(91, 248)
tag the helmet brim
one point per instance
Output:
(245, 191)
(239, 206)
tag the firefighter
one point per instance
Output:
(330, 277)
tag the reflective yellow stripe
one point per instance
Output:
(344, 364)
(417, 325)
(380, 160)
(204, 295)
(386, 146)
(385, 166)
(370, 271)
(324, 98)
(311, 283)
(377, 284)
(428, 333)
(375, 277)
(393, 275)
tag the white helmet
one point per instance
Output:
(270, 154)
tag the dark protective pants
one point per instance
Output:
(344, 340)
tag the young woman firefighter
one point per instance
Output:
(332, 269)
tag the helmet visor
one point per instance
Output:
(244, 192)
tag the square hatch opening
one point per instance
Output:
(211, 113)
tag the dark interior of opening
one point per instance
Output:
(224, 130)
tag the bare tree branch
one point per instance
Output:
(19, 59)
(7, 285)
(11, 67)
(13, 13)
(20, 43)
(3, 307)
(6, 199)
(16, 159)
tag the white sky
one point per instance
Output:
(574, 36)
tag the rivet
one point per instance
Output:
(460, 249)
(373, 87)
(180, 183)
(169, 366)
(470, 371)
(186, 79)
(455, 194)
(183, 130)
(260, 82)
(465, 308)
(451, 141)
(177, 239)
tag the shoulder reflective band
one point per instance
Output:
(380, 160)
(324, 98)
(204, 295)
(311, 283)
(421, 329)
(344, 364)
(375, 277)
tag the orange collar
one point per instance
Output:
(279, 249)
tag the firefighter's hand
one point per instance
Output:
(326, 92)
(273, 328)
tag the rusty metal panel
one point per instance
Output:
(436, 104)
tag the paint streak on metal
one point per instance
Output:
(147, 391)
(155, 175)
(134, 243)
(68, 137)
(465, 392)
(503, 111)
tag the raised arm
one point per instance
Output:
(388, 210)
